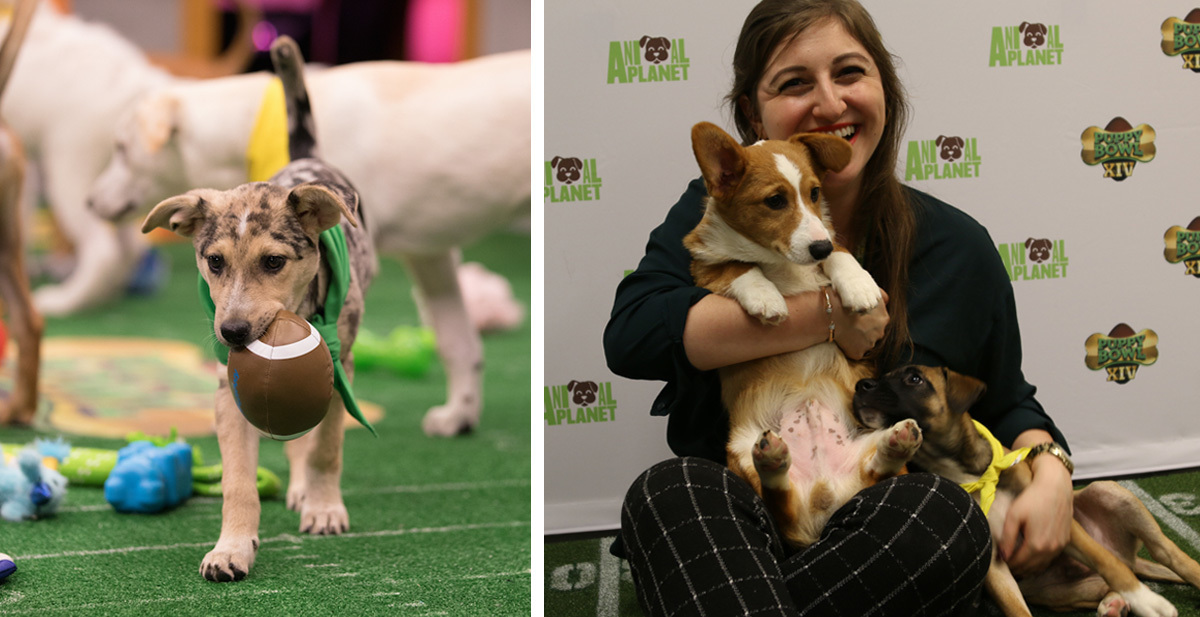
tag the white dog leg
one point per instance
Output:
(457, 340)
(105, 257)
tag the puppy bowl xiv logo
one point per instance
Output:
(1119, 147)
(1181, 37)
(1121, 352)
(942, 158)
(1029, 44)
(570, 178)
(580, 402)
(651, 58)
(1184, 245)
(1035, 258)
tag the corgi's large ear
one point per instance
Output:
(962, 391)
(722, 160)
(830, 152)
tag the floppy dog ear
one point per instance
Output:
(156, 119)
(962, 391)
(722, 161)
(181, 214)
(830, 152)
(319, 208)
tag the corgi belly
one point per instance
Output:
(822, 445)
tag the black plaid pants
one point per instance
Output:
(700, 542)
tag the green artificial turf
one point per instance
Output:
(581, 579)
(438, 526)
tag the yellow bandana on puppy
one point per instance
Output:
(986, 484)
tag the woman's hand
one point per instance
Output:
(1038, 524)
(858, 333)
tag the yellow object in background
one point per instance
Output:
(267, 151)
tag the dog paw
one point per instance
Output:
(903, 440)
(324, 520)
(859, 294)
(449, 421)
(230, 560)
(1112, 606)
(771, 459)
(295, 496)
(1144, 603)
(759, 297)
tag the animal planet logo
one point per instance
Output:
(1036, 258)
(1121, 352)
(1119, 147)
(572, 179)
(1028, 44)
(580, 402)
(649, 59)
(1181, 37)
(1184, 245)
(942, 158)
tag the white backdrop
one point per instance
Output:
(1022, 114)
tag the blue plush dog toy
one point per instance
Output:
(29, 488)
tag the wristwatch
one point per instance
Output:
(1054, 450)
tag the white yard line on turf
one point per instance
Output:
(1163, 514)
(285, 537)
(235, 593)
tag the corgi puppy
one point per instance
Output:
(765, 235)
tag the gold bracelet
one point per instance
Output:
(828, 311)
(1054, 450)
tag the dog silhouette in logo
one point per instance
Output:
(951, 148)
(1039, 249)
(657, 48)
(584, 392)
(1035, 34)
(568, 169)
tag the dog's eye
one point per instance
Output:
(776, 201)
(815, 195)
(273, 263)
(216, 263)
(913, 379)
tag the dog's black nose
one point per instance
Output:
(865, 385)
(820, 249)
(236, 332)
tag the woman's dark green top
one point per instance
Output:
(962, 315)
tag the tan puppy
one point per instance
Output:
(257, 247)
(24, 321)
(1110, 525)
(765, 235)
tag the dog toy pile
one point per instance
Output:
(407, 351)
(30, 485)
(283, 382)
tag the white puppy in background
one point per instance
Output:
(440, 154)
(69, 86)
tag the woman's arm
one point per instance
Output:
(719, 332)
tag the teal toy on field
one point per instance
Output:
(31, 486)
(408, 351)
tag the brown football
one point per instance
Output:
(283, 382)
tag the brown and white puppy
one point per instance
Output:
(24, 321)
(765, 235)
(1098, 568)
(257, 247)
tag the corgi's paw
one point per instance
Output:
(760, 298)
(771, 460)
(858, 292)
(230, 560)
